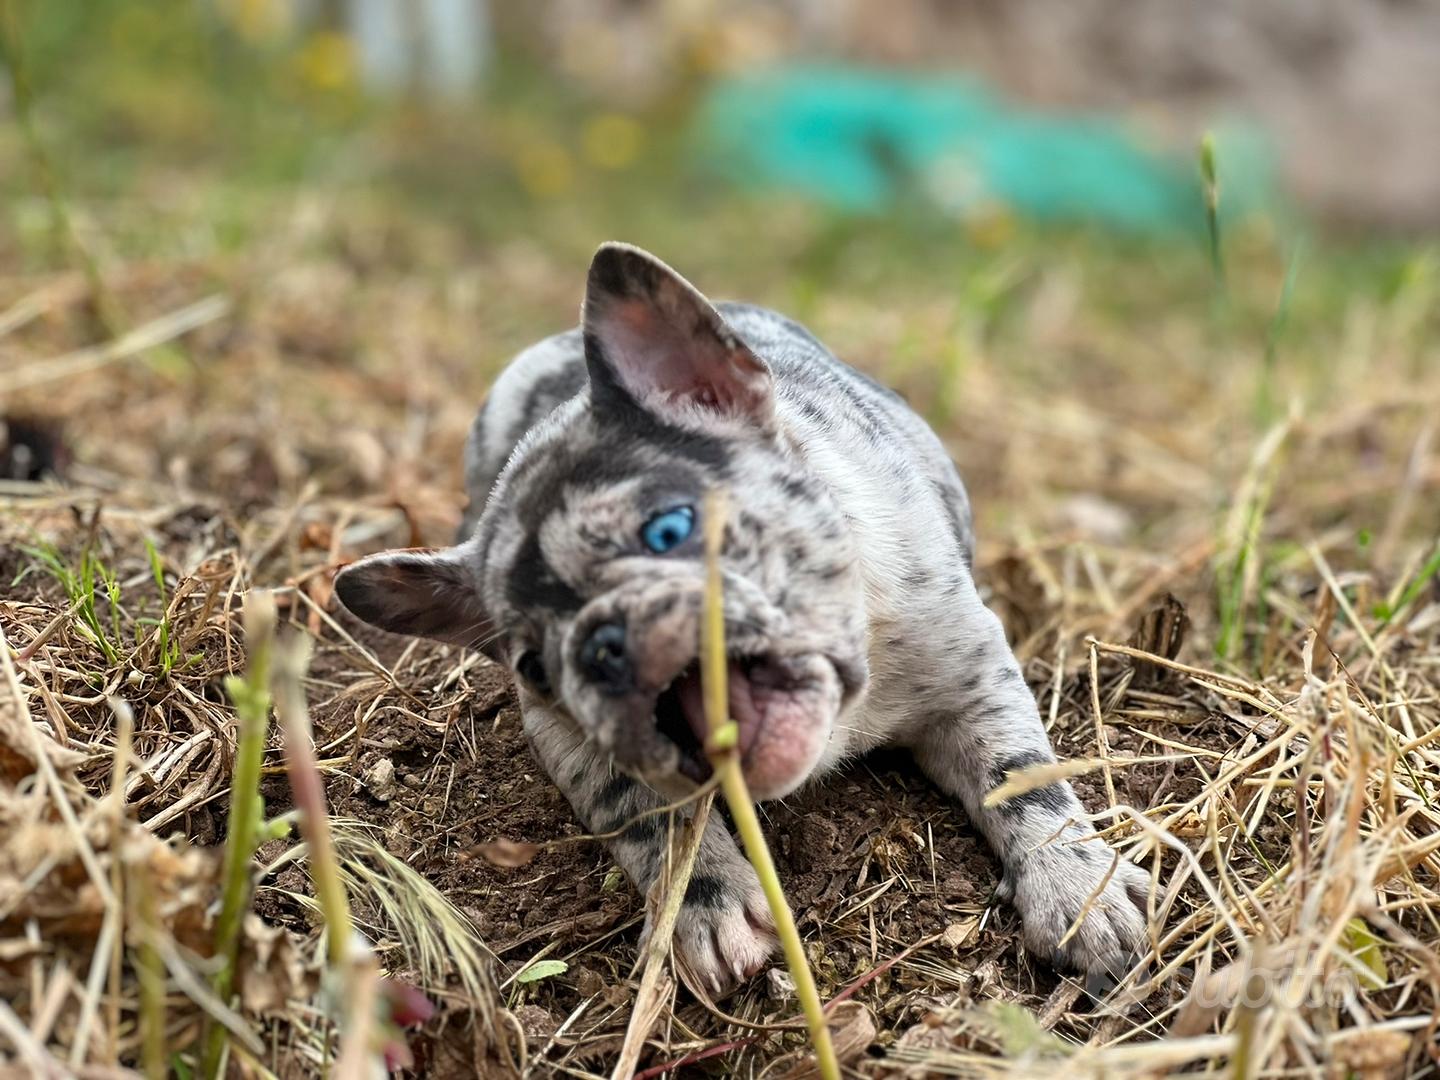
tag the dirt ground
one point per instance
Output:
(318, 415)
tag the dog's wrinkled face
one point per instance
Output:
(586, 572)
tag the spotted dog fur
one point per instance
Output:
(852, 618)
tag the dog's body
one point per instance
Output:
(852, 618)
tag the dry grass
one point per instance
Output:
(1133, 515)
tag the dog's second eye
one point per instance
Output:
(668, 529)
(532, 669)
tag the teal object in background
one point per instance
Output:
(864, 140)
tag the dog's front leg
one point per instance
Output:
(1053, 861)
(724, 933)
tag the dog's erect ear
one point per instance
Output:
(421, 592)
(651, 339)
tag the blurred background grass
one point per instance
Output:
(176, 127)
(213, 134)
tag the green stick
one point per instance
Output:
(721, 748)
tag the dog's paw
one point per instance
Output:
(724, 934)
(1051, 886)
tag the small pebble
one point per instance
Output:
(379, 779)
(779, 985)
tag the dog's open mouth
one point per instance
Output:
(772, 702)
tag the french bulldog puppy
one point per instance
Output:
(852, 619)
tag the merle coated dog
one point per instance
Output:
(852, 618)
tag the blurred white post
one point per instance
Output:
(440, 47)
(457, 41)
(382, 43)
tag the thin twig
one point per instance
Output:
(721, 745)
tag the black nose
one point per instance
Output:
(603, 659)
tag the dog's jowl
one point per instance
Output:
(851, 616)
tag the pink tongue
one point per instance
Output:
(742, 706)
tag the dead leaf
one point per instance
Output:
(271, 973)
(957, 933)
(18, 746)
(1367, 1054)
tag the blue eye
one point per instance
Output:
(668, 529)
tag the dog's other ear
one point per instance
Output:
(422, 592)
(651, 339)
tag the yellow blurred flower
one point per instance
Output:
(612, 140)
(545, 168)
(327, 60)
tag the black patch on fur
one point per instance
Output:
(606, 390)
(546, 394)
(643, 426)
(561, 467)
(602, 466)
(618, 274)
(1052, 797)
(612, 406)
(706, 891)
(646, 831)
(598, 542)
(813, 412)
(534, 584)
(794, 487)
(614, 791)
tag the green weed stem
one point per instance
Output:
(1210, 185)
(308, 789)
(151, 973)
(721, 745)
(251, 695)
(1266, 403)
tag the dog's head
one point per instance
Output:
(586, 572)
